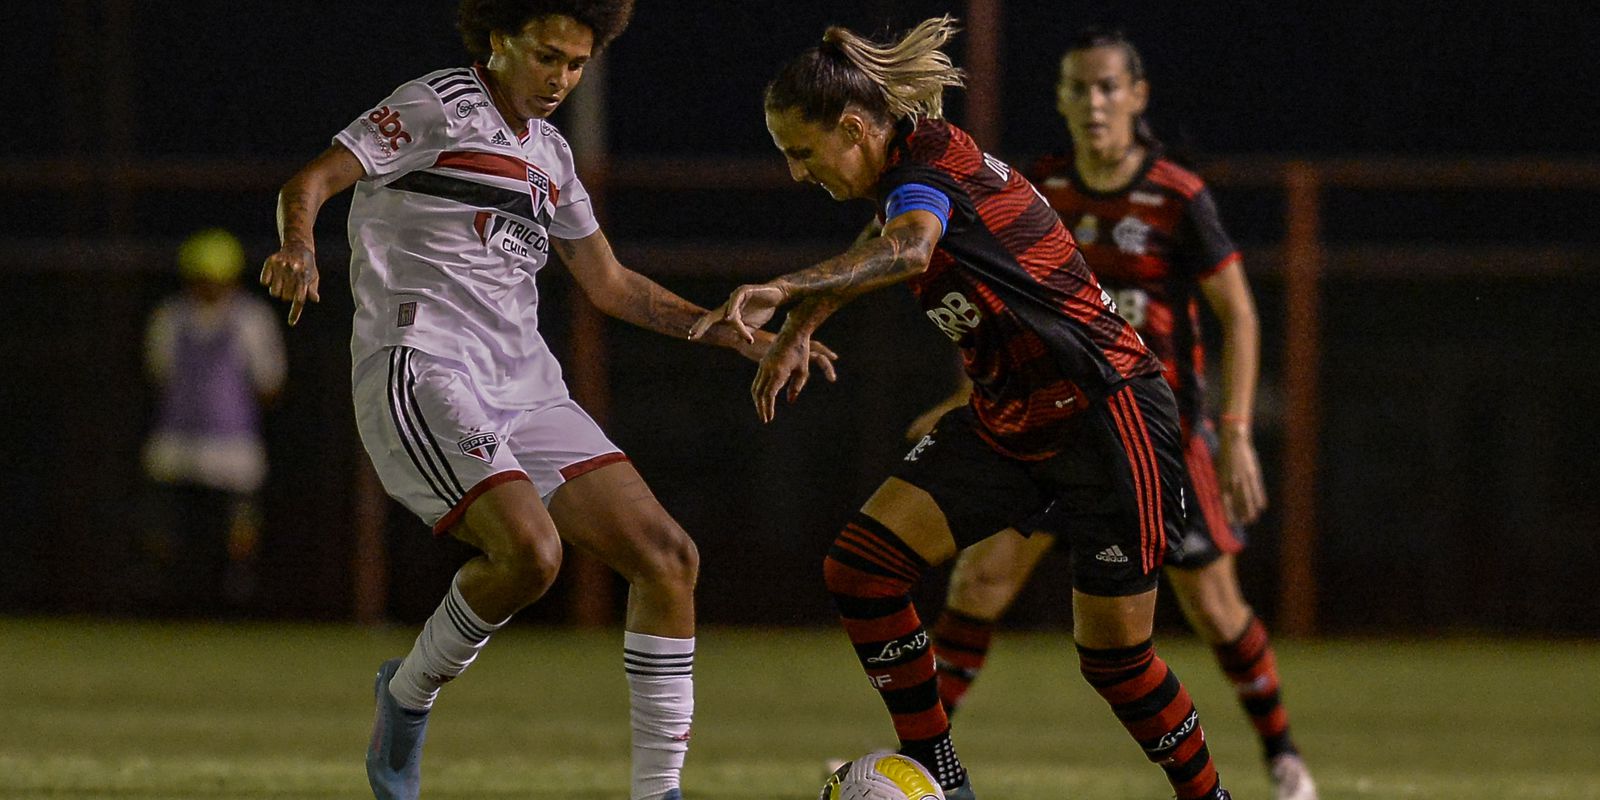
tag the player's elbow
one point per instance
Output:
(918, 257)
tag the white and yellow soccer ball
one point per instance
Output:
(881, 776)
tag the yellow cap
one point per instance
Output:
(211, 255)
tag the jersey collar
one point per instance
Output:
(1151, 156)
(481, 73)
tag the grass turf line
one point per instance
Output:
(100, 709)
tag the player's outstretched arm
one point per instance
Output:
(901, 250)
(291, 273)
(631, 297)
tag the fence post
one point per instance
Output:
(1303, 257)
(982, 96)
(590, 601)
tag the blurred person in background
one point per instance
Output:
(215, 355)
(1069, 409)
(462, 188)
(1151, 233)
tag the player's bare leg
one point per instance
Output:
(521, 555)
(983, 583)
(1215, 607)
(1118, 660)
(612, 514)
(870, 570)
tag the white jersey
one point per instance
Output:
(450, 225)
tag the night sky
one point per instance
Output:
(276, 79)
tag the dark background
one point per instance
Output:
(1457, 481)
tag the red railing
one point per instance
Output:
(1300, 266)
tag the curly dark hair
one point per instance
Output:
(477, 18)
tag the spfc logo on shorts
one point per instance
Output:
(481, 446)
(407, 316)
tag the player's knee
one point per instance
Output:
(976, 584)
(669, 556)
(1217, 616)
(1103, 667)
(1219, 621)
(839, 578)
(532, 559)
(861, 564)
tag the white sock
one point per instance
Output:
(661, 691)
(449, 642)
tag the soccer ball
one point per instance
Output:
(881, 776)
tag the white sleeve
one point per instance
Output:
(403, 133)
(574, 218)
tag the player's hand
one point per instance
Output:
(747, 309)
(786, 364)
(1243, 494)
(291, 274)
(822, 357)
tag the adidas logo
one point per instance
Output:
(1111, 555)
(500, 139)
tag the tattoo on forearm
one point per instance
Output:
(297, 215)
(811, 312)
(887, 259)
(649, 305)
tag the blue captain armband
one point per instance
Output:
(918, 196)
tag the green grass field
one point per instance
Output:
(143, 710)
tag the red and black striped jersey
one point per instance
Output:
(1038, 336)
(1150, 244)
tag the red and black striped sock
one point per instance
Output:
(960, 646)
(870, 573)
(1253, 669)
(1155, 708)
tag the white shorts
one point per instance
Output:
(436, 445)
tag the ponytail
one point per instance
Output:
(903, 79)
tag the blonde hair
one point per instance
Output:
(903, 79)
(912, 72)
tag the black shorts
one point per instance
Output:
(1115, 493)
(1209, 535)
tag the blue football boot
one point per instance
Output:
(394, 757)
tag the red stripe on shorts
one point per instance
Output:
(1203, 476)
(454, 515)
(1147, 482)
(588, 465)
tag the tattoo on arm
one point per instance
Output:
(335, 170)
(297, 214)
(649, 305)
(635, 299)
(897, 254)
(810, 313)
